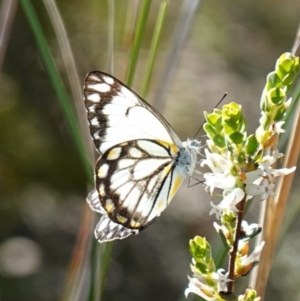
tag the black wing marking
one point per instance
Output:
(135, 183)
(116, 114)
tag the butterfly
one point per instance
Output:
(142, 161)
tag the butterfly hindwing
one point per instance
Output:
(116, 114)
(136, 181)
(107, 230)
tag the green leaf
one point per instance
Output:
(277, 96)
(285, 66)
(201, 267)
(288, 88)
(237, 137)
(230, 126)
(273, 80)
(224, 241)
(232, 110)
(289, 78)
(258, 156)
(207, 257)
(280, 114)
(251, 145)
(232, 117)
(242, 157)
(219, 125)
(209, 130)
(198, 247)
(213, 118)
(219, 140)
(296, 65)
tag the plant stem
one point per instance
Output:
(232, 254)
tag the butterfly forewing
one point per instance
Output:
(116, 114)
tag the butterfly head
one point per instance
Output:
(192, 145)
(188, 156)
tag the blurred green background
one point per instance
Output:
(231, 47)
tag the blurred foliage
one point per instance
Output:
(232, 47)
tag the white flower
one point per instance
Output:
(267, 161)
(216, 210)
(288, 103)
(251, 229)
(222, 279)
(254, 176)
(217, 227)
(198, 288)
(269, 171)
(257, 182)
(273, 157)
(219, 180)
(196, 272)
(216, 162)
(265, 187)
(261, 181)
(254, 255)
(278, 127)
(228, 203)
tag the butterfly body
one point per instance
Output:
(142, 163)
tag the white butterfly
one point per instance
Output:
(142, 162)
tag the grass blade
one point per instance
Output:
(141, 24)
(57, 84)
(72, 74)
(154, 46)
(187, 15)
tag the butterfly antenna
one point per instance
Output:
(223, 97)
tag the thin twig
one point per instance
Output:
(233, 252)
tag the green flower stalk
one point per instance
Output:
(274, 103)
